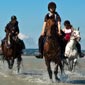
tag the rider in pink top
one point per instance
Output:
(67, 30)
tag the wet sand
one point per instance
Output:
(33, 72)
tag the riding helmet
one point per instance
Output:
(67, 22)
(13, 17)
(51, 5)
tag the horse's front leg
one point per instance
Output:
(56, 72)
(19, 59)
(70, 65)
(75, 62)
(60, 65)
(8, 61)
(3, 58)
(49, 68)
(11, 63)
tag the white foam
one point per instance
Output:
(3, 74)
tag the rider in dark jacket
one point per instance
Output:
(12, 27)
(51, 15)
(12, 31)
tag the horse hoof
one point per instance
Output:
(58, 80)
(10, 67)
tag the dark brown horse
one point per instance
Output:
(52, 51)
(11, 53)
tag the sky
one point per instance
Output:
(30, 15)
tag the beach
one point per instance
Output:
(33, 72)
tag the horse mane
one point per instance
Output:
(51, 27)
(50, 22)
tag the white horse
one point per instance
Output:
(71, 50)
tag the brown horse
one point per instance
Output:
(11, 53)
(52, 51)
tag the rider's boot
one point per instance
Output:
(21, 45)
(79, 50)
(41, 43)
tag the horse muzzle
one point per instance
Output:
(66, 54)
(78, 39)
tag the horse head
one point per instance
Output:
(50, 28)
(71, 45)
(76, 35)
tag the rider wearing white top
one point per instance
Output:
(67, 30)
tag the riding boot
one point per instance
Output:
(79, 50)
(40, 43)
(20, 45)
(62, 44)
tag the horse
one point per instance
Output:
(71, 51)
(52, 50)
(12, 52)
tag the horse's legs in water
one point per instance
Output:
(49, 68)
(70, 64)
(74, 63)
(61, 67)
(19, 59)
(3, 58)
(56, 72)
(10, 63)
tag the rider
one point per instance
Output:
(12, 27)
(68, 29)
(12, 30)
(51, 15)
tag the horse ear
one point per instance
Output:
(78, 28)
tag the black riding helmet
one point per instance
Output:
(13, 17)
(67, 22)
(51, 5)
